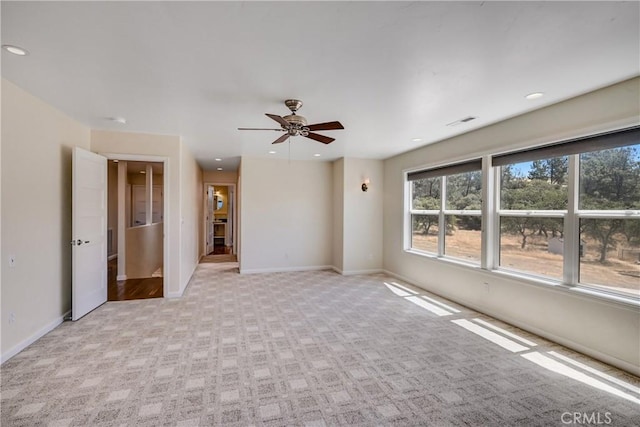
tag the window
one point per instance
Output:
(609, 224)
(533, 203)
(446, 211)
(568, 212)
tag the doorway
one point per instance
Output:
(136, 229)
(220, 217)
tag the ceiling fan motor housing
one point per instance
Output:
(295, 119)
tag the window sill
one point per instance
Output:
(450, 260)
(579, 290)
(588, 292)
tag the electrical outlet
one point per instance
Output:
(12, 317)
(12, 260)
(487, 288)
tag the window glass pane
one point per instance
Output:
(463, 238)
(541, 184)
(425, 194)
(464, 191)
(532, 245)
(424, 232)
(610, 179)
(610, 254)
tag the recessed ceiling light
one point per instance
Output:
(120, 120)
(272, 152)
(534, 95)
(219, 169)
(316, 155)
(416, 140)
(15, 50)
(218, 160)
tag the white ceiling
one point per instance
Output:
(389, 71)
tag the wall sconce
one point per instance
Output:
(365, 184)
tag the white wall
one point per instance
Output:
(191, 212)
(220, 177)
(363, 216)
(144, 250)
(606, 330)
(127, 143)
(37, 141)
(286, 214)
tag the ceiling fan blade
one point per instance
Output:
(326, 126)
(280, 130)
(278, 119)
(283, 138)
(320, 138)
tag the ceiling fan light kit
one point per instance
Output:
(296, 125)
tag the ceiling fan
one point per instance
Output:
(295, 125)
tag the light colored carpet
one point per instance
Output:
(305, 348)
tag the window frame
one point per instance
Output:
(442, 212)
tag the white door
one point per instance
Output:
(89, 232)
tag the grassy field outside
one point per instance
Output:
(618, 274)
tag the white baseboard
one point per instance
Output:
(33, 338)
(122, 277)
(174, 294)
(360, 272)
(606, 358)
(285, 269)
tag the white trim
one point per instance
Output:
(121, 277)
(533, 213)
(286, 269)
(571, 243)
(613, 214)
(488, 237)
(611, 360)
(166, 214)
(34, 337)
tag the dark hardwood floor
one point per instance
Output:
(150, 287)
(219, 250)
